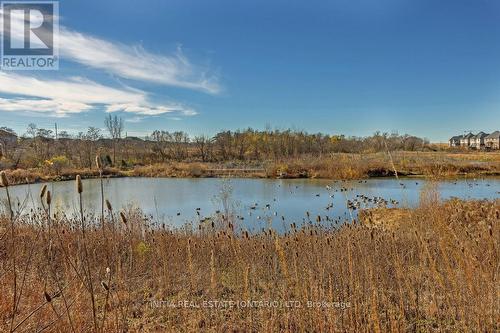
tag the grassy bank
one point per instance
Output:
(336, 166)
(434, 269)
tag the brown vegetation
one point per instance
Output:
(435, 269)
(333, 166)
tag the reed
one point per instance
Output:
(86, 256)
(4, 181)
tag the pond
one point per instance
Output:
(257, 202)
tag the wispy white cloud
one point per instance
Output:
(134, 62)
(136, 119)
(63, 97)
(150, 110)
(50, 107)
(130, 62)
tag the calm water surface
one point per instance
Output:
(258, 201)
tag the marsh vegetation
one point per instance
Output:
(432, 268)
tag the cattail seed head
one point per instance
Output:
(49, 198)
(79, 186)
(47, 297)
(123, 217)
(98, 162)
(43, 191)
(3, 179)
(108, 205)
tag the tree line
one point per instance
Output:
(39, 147)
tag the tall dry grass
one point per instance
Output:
(355, 166)
(332, 166)
(434, 269)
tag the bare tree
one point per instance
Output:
(203, 143)
(241, 142)
(115, 129)
(180, 141)
(224, 143)
(32, 130)
(160, 139)
(92, 136)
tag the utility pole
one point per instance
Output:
(55, 126)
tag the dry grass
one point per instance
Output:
(176, 169)
(23, 176)
(435, 269)
(334, 166)
(354, 166)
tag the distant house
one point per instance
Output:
(465, 141)
(7, 138)
(492, 141)
(455, 141)
(477, 141)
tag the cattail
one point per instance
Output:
(213, 281)
(49, 198)
(3, 179)
(47, 297)
(98, 162)
(123, 217)
(105, 285)
(282, 257)
(43, 191)
(79, 186)
(108, 205)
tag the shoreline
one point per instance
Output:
(339, 166)
(34, 176)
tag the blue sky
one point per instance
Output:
(428, 68)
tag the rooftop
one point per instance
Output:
(493, 135)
